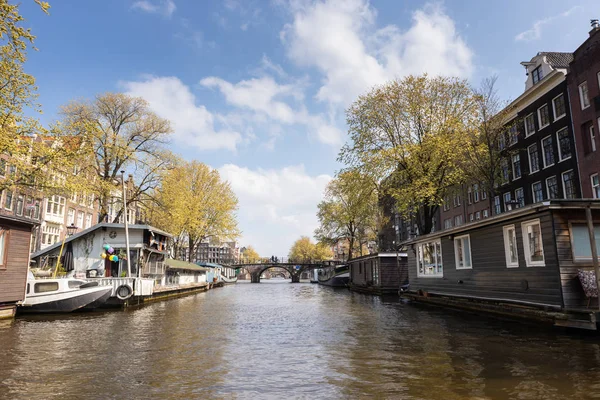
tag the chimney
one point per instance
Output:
(595, 26)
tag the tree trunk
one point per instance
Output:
(191, 248)
(350, 247)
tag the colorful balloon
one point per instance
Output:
(106, 246)
(103, 255)
(110, 250)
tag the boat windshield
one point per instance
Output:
(42, 287)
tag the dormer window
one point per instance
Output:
(537, 75)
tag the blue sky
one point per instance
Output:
(258, 89)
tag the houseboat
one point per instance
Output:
(334, 275)
(378, 273)
(534, 263)
(15, 239)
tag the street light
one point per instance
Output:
(71, 229)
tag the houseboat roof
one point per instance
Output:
(178, 264)
(103, 225)
(576, 204)
(211, 265)
(20, 220)
(382, 254)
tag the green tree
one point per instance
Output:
(250, 255)
(411, 133)
(349, 211)
(194, 204)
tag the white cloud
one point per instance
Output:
(278, 206)
(340, 39)
(164, 7)
(193, 124)
(535, 32)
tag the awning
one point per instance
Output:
(178, 264)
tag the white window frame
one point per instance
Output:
(544, 153)
(594, 194)
(557, 117)
(486, 213)
(592, 137)
(517, 197)
(509, 262)
(560, 157)
(534, 200)
(548, 189)
(504, 201)
(531, 171)
(471, 217)
(527, 133)
(3, 247)
(497, 205)
(528, 261)
(476, 193)
(512, 127)
(456, 239)
(562, 179)
(512, 164)
(540, 117)
(436, 244)
(477, 215)
(587, 95)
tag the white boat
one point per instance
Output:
(227, 281)
(62, 295)
(315, 276)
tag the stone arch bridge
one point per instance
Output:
(294, 269)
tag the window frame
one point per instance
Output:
(527, 133)
(513, 134)
(548, 189)
(533, 197)
(560, 157)
(507, 258)
(455, 243)
(512, 163)
(594, 194)
(587, 95)
(579, 260)
(437, 243)
(531, 171)
(539, 115)
(592, 135)
(544, 152)
(557, 117)
(504, 200)
(522, 191)
(528, 262)
(562, 175)
(537, 72)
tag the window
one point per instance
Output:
(497, 209)
(471, 217)
(501, 142)
(456, 200)
(568, 179)
(478, 215)
(462, 252)
(510, 246)
(429, 259)
(458, 220)
(71, 216)
(595, 186)
(520, 197)
(80, 217)
(486, 213)
(592, 138)
(448, 223)
(3, 246)
(552, 187)
(56, 206)
(88, 221)
(476, 193)
(538, 193)
(584, 100)
(532, 243)
(529, 125)
(470, 195)
(2, 167)
(547, 151)
(558, 106)
(564, 144)
(543, 116)
(483, 194)
(507, 200)
(537, 75)
(20, 204)
(513, 135)
(446, 203)
(8, 200)
(580, 238)
(504, 171)
(534, 159)
(45, 287)
(516, 166)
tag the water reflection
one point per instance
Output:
(278, 340)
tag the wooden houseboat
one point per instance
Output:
(534, 262)
(15, 239)
(378, 273)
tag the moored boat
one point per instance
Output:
(62, 295)
(315, 276)
(335, 276)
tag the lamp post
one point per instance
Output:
(126, 224)
(71, 229)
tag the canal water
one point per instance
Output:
(280, 340)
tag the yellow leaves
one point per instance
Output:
(250, 255)
(304, 250)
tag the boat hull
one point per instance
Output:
(66, 301)
(229, 281)
(340, 280)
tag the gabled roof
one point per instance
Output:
(556, 59)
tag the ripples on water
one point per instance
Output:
(278, 340)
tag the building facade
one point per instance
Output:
(583, 82)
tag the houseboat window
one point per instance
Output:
(581, 242)
(376, 272)
(429, 259)
(42, 287)
(510, 246)
(28, 287)
(462, 252)
(532, 243)
(3, 245)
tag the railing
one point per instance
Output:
(114, 283)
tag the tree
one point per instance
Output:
(250, 255)
(195, 205)
(411, 132)
(304, 251)
(119, 133)
(487, 146)
(349, 211)
(29, 150)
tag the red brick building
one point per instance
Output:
(583, 82)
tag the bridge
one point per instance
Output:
(294, 269)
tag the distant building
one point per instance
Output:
(224, 253)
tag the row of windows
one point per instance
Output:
(584, 96)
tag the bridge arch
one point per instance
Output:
(294, 269)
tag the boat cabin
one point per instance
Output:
(378, 273)
(181, 273)
(15, 239)
(537, 256)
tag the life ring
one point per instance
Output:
(124, 292)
